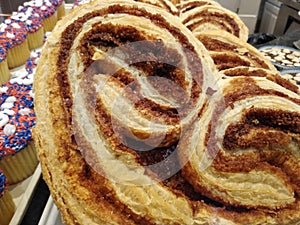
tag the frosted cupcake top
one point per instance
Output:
(32, 61)
(17, 117)
(56, 3)
(3, 51)
(42, 7)
(12, 34)
(3, 183)
(31, 20)
(81, 2)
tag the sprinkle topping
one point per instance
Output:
(12, 34)
(56, 3)
(81, 2)
(3, 51)
(3, 183)
(42, 7)
(3, 119)
(31, 20)
(32, 62)
(9, 129)
(17, 117)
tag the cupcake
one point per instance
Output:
(14, 38)
(18, 157)
(32, 61)
(60, 7)
(4, 70)
(7, 206)
(33, 23)
(46, 10)
(80, 2)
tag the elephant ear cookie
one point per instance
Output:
(7, 205)
(273, 76)
(187, 5)
(123, 81)
(244, 151)
(213, 17)
(229, 51)
(168, 5)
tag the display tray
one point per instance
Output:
(51, 215)
(292, 75)
(283, 57)
(22, 193)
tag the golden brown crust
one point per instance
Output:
(248, 138)
(184, 6)
(95, 198)
(164, 4)
(221, 44)
(259, 72)
(213, 17)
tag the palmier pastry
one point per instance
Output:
(164, 4)
(213, 17)
(184, 6)
(113, 78)
(244, 151)
(276, 77)
(229, 51)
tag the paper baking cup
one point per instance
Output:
(18, 55)
(61, 10)
(7, 208)
(50, 22)
(4, 71)
(36, 39)
(21, 165)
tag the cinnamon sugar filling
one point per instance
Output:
(255, 72)
(220, 46)
(214, 17)
(89, 177)
(247, 88)
(281, 122)
(245, 72)
(224, 62)
(216, 45)
(269, 131)
(191, 5)
(112, 36)
(218, 23)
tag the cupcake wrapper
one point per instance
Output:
(50, 22)
(4, 72)
(18, 55)
(61, 10)
(7, 208)
(36, 39)
(21, 165)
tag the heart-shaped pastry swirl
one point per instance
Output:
(187, 5)
(244, 150)
(213, 17)
(164, 4)
(259, 72)
(118, 87)
(228, 51)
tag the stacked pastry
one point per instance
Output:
(135, 124)
(199, 15)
